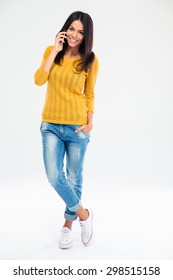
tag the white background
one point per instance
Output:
(128, 170)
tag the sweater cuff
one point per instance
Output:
(41, 77)
(90, 108)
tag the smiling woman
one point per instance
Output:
(76, 36)
(70, 69)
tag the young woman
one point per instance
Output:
(70, 69)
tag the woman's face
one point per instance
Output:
(75, 34)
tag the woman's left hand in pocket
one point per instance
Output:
(86, 128)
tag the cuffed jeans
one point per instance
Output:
(61, 142)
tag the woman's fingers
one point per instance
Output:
(86, 128)
(61, 36)
(59, 40)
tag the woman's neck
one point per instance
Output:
(72, 53)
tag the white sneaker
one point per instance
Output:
(87, 229)
(66, 240)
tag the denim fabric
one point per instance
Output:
(61, 144)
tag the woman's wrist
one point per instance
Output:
(90, 118)
(54, 52)
(90, 124)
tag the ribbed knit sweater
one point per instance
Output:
(69, 95)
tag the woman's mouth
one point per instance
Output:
(73, 40)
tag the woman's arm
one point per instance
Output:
(47, 64)
(89, 93)
(59, 40)
(51, 52)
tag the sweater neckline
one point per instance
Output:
(71, 59)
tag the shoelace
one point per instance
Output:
(65, 230)
(84, 227)
(65, 235)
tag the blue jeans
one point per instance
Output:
(61, 142)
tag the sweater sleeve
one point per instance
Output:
(40, 76)
(90, 84)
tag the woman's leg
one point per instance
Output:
(75, 147)
(75, 154)
(53, 153)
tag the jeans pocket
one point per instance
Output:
(41, 125)
(86, 134)
(82, 131)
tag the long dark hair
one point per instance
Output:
(85, 48)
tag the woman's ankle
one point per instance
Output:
(68, 224)
(84, 215)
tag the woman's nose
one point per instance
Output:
(74, 34)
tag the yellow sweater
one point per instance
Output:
(69, 95)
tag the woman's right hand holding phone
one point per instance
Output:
(59, 41)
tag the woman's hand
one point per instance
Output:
(59, 41)
(86, 128)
